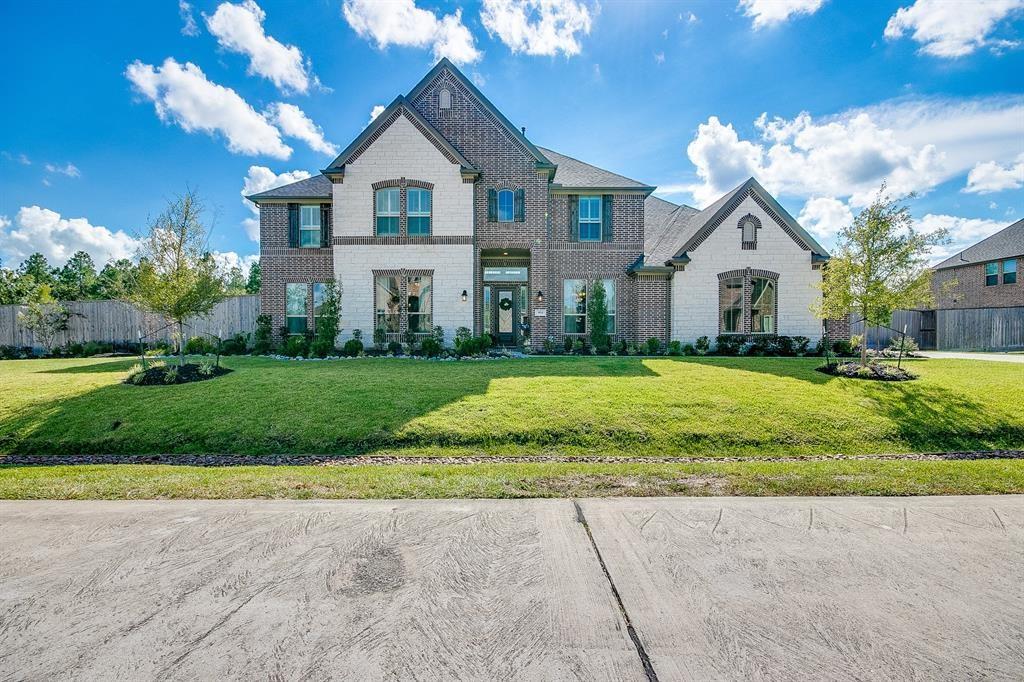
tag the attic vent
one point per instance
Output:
(444, 103)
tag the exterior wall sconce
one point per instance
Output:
(540, 296)
(465, 295)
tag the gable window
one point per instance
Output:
(574, 305)
(590, 219)
(748, 302)
(309, 225)
(388, 211)
(444, 99)
(295, 308)
(506, 206)
(730, 305)
(1010, 271)
(418, 212)
(749, 225)
(762, 306)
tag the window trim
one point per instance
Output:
(591, 220)
(749, 244)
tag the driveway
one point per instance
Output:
(991, 357)
(666, 588)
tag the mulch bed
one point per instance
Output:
(157, 376)
(873, 371)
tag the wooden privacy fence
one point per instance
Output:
(964, 329)
(120, 322)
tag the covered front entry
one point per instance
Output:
(505, 304)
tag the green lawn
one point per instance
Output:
(614, 406)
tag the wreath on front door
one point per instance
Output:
(505, 304)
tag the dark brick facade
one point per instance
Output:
(964, 287)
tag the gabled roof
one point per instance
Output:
(315, 187)
(401, 106)
(1006, 243)
(516, 133)
(687, 232)
(574, 174)
(664, 221)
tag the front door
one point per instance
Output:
(502, 313)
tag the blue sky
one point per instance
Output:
(116, 107)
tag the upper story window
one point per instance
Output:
(309, 225)
(389, 211)
(444, 99)
(418, 201)
(1006, 268)
(590, 219)
(506, 206)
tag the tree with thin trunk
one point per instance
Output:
(178, 277)
(45, 317)
(880, 265)
(597, 317)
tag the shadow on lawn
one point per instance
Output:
(269, 407)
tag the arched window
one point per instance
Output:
(730, 305)
(749, 225)
(762, 305)
(444, 99)
(506, 206)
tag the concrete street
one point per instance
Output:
(989, 357)
(672, 588)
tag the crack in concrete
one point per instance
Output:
(645, 660)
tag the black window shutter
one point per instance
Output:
(574, 217)
(606, 217)
(293, 225)
(492, 206)
(520, 205)
(325, 225)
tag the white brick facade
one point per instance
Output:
(453, 273)
(403, 152)
(695, 289)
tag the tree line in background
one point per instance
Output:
(78, 280)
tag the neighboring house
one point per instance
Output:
(443, 213)
(984, 275)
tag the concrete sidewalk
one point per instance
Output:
(728, 588)
(990, 357)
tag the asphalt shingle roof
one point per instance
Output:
(665, 225)
(1006, 243)
(315, 187)
(574, 173)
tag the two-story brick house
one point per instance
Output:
(443, 213)
(983, 275)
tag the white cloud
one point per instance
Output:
(189, 27)
(659, 57)
(293, 122)
(401, 22)
(227, 260)
(377, 110)
(69, 169)
(239, 28)
(825, 216)
(260, 179)
(20, 158)
(478, 79)
(182, 94)
(989, 177)
(691, 18)
(770, 12)
(913, 145)
(952, 29)
(40, 229)
(537, 27)
(963, 232)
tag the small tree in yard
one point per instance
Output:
(879, 265)
(597, 317)
(327, 319)
(45, 317)
(178, 278)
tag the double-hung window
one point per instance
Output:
(389, 211)
(309, 226)
(418, 201)
(295, 308)
(1010, 271)
(991, 274)
(506, 206)
(1006, 268)
(590, 219)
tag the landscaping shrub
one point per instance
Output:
(235, 345)
(784, 345)
(95, 348)
(263, 341)
(296, 346)
(597, 317)
(702, 346)
(171, 375)
(357, 334)
(439, 335)
(395, 348)
(876, 371)
(909, 344)
(319, 348)
(206, 368)
(653, 346)
(462, 334)
(622, 348)
(431, 347)
(728, 344)
(577, 346)
(352, 348)
(380, 338)
(689, 349)
(758, 345)
(800, 345)
(199, 345)
(842, 347)
(676, 348)
(567, 344)
(474, 345)
(549, 346)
